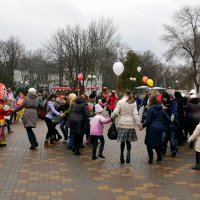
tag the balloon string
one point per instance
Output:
(116, 85)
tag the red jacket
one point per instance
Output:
(2, 113)
(112, 102)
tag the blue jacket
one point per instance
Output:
(155, 125)
(172, 108)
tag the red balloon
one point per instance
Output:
(145, 79)
(80, 77)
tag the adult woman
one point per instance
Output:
(63, 124)
(126, 109)
(30, 104)
(19, 102)
(155, 123)
(79, 114)
(112, 102)
(51, 111)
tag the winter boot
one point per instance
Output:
(101, 152)
(196, 166)
(32, 147)
(122, 158)
(128, 157)
(94, 153)
(52, 142)
(46, 143)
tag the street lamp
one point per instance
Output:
(133, 79)
(176, 83)
(91, 78)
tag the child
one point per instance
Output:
(96, 131)
(101, 103)
(196, 136)
(7, 117)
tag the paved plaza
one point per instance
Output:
(56, 173)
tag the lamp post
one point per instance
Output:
(133, 79)
(91, 78)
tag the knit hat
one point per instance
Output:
(32, 91)
(98, 108)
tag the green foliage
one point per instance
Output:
(131, 62)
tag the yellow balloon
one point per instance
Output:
(150, 82)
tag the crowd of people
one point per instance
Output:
(165, 117)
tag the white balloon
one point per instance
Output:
(139, 69)
(118, 68)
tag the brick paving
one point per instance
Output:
(56, 173)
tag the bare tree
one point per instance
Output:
(10, 53)
(86, 51)
(183, 38)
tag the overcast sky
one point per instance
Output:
(139, 22)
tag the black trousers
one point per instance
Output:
(197, 157)
(158, 150)
(31, 136)
(78, 139)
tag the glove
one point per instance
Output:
(172, 117)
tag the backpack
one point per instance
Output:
(42, 112)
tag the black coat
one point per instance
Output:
(155, 125)
(79, 115)
(192, 112)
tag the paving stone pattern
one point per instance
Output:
(56, 173)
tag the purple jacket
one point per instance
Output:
(51, 110)
(96, 124)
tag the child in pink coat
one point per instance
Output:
(96, 131)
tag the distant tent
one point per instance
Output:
(158, 88)
(142, 87)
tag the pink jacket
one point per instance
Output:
(96, 124)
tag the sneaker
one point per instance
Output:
(64, 141)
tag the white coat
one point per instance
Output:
(196, 136)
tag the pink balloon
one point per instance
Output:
(80, 77)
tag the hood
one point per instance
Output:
(177, 94)
(80, 100)
(158, 107)
(32, 96)
(194, 100)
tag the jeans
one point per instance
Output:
(71, 140)
(31, 136)
(50, 127)
(170, 136)
(64, 128)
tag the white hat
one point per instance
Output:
(32, 91)
(98, 108)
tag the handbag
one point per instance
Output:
(112, 132)
(42, 113)
(56, 119)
